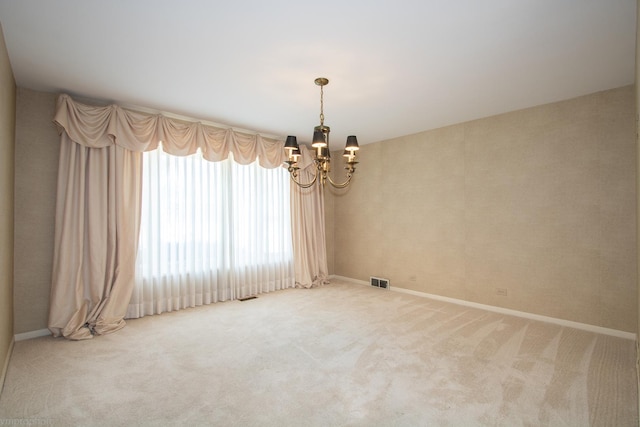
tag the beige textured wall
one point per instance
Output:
(7, 138)
(539, 202)
(36, 162)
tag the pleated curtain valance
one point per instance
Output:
(98, 127)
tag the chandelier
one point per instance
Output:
(322, 155)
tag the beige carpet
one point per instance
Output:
(340, 355)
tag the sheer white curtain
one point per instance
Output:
(210, 231)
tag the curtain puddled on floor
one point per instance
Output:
(99, 203)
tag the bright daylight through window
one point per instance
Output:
(210, 231)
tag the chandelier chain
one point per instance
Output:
(322, 105)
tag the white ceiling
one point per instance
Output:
(395, 67)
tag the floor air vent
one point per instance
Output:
(380, 283)
(247, 298)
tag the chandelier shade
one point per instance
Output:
(319, 139)
(352, 143)
(291, 144)
(322, 154)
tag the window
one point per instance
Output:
(210, 231)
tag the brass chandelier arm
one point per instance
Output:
(301, 185)
(343, 185)
(350, 168)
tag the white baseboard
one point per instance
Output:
(3, 374)
(32, 334)
(532, 316)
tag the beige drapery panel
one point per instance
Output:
(308, 227)
(96, 238)
(98, 203)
